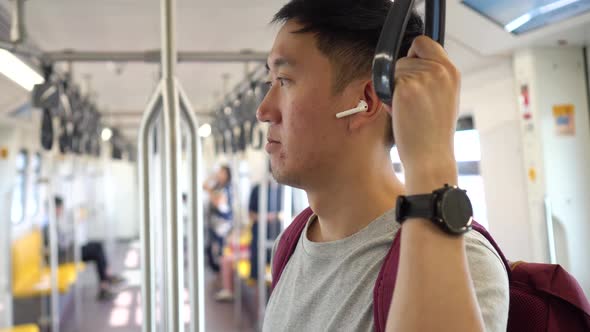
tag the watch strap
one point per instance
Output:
(415, 206)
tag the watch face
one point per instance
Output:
(456, 210)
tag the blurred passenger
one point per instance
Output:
(232, 254)
(273, 225)
(91, 251)
(273, 229)
(220, 214)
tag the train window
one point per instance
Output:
(468, 155)
(528, 15)
(17, 210)
(33, 201)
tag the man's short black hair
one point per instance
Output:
(347, 32)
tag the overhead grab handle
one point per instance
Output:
(392, 35)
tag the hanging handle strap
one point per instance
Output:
(392, 36)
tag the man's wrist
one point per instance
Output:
(427, 178)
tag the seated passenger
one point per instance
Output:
(232, 253)
(320, 65)
(220, 214)
(91, 251)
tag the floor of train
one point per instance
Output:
(123, 314)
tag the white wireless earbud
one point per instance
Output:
(362, 107)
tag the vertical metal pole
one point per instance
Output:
(171, 117)
(107, 185)
(237, 234)
(196, 236)
(53, 252)
(45, 304)
(17, 28)
(262, 222)
(6, 285)
(147, 289)
(77, 258)
(146, 231)
(550, 231)
(162, 231)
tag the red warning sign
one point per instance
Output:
(525, 101)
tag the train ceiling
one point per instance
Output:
(217, 25)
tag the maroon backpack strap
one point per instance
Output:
(383, 290)
(287, 245)
(385, 284)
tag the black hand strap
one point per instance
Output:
(416, 206)
(392, 36)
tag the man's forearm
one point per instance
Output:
(433, 290)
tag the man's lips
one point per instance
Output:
(272, 145)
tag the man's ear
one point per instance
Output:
(369, 95)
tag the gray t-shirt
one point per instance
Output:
(329, 286)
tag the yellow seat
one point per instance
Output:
(66, 273)
(29, 277)
(243, 269)
(22, 328)
(26, 259)
(268, 275)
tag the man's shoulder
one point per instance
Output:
(490, 280)
(478, 247)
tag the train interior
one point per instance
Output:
(86, 164)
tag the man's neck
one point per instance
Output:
(346, 207)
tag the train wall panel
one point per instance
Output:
(489, 96)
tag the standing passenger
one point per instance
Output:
(220, 214)
(273, 224)
(320, 65)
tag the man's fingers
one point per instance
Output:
(404, 65)
(428, 69)
(424, 47)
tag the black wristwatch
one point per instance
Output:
(448, 207)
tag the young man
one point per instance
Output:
(320, 65)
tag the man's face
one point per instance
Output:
(305, 140)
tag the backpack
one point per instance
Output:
(543, 297)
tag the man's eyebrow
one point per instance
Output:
(279, 62)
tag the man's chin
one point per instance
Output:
(286, 178)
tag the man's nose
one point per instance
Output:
(268, 111)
